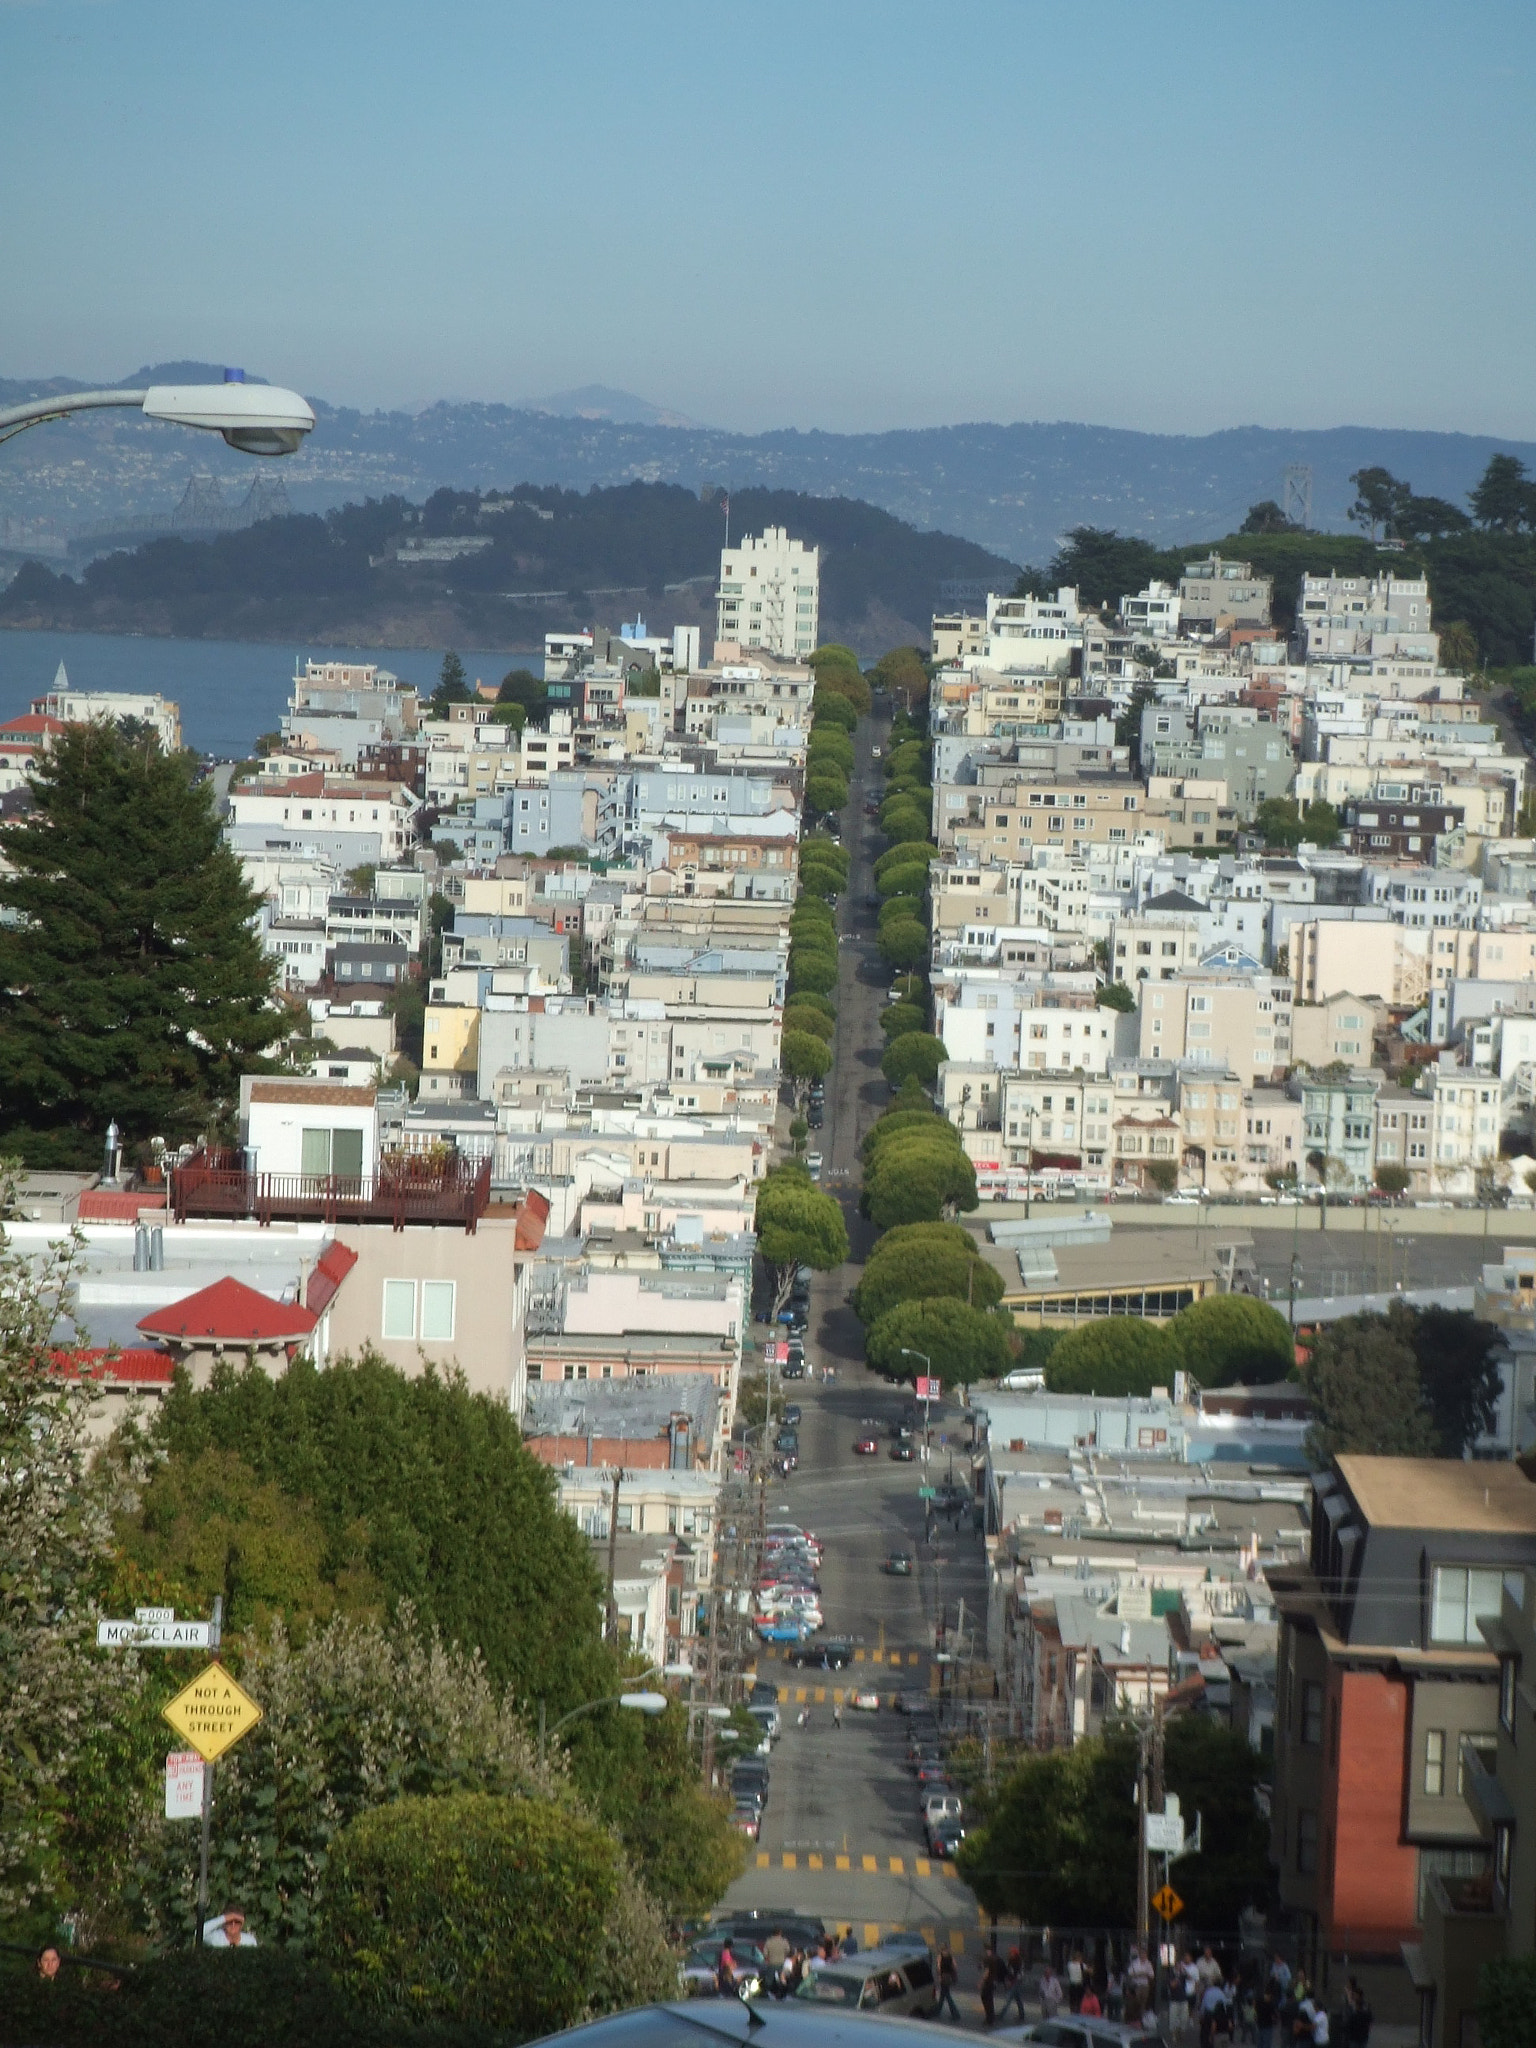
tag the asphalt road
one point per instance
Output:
(842, 1835)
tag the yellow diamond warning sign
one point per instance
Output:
(1167, 1903)
(212, 1713)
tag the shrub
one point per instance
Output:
(903, 882)
(1506, 2003)
(919, 1053)
(813, 970)
(904, 943)
(1111, 1356)
(961, 1344)
(897, 1019)
(914, 1179)
(925, 1261)
(1233, 1339)
(479, 1908)
(904, 854)
(801, 1016)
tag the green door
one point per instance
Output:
(347, 1155)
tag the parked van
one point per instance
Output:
(895, 1982)
(939, 1806)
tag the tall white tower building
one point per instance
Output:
(770, 594)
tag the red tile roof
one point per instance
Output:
(32, 725)
(139, 1365)
(229, 1312)
(532, 1217)
(331, 1268)
(116, 1205)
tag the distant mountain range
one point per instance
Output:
(1015, 489)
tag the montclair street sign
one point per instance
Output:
(154, 1628)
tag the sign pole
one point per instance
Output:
(215, 1639)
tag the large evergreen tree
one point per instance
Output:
(132, 981)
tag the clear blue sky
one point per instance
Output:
(848, 214)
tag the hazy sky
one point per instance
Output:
(847, 214)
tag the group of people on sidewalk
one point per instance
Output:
(784, 1968)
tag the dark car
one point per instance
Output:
(902, 1451)
(898, 1564)
(944, 1838)
(792, 1413)
(795, 1370)
(814, 1118)
(787, 1440)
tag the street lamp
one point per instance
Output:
(651, 1703)
(258, 419)
(928, 1375)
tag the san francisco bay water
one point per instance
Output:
(229, 690)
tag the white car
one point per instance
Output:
(866, 1699)
(813, 1165)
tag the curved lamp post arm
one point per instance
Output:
(14, 418)
(259, 419)
(638, 1702)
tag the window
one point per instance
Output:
(1312, 1713)
(437, 1311)
(1461, 1596)
(400, 1308)
(1306, 1841)
(1434, 1762)
(326, 1152)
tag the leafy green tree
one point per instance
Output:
(1458, 1372)
(909, 853)
(1102, 565)
(829, 709)
(522, 686)
(1419, 518)
(822, 1005)
(821, 882)
(1113, 1355)
(797, 1225)
(1364, 1382)
(1229, 1339)
(904, 943)
(1267, 517)
(132, 980)
(1392, 1180)
(917, 1052)
(1506, 2003)
(902, 1121)
(801, 1016)
(811, 970)
(825, 790)
(1162, 1174)
(831, 747)
(1378, 495)
(963, 1344)
(1503, 501)
(925, 1261)
(897, 1019)
(837, 673)
(452, 686)
(903, 672)
(903, 817)
(910, 882)
(820, 846)
(429, 1487)
(917, 1179)
(1458, 646)
(804, 1056)
(1320, 822)
(1114, 995)
(502, 1911)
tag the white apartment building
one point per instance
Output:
(1153, 611)
(79, 707)
(770, 594)
(983, 1017)
(1342, 616)
(323, 817)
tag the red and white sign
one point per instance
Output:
(930, 1390)
(776, 1353)
(183, 1785)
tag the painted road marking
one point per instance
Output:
(869, 1863)
(789, 1860)
(813, 1863)
(956, 1942)
(920, 1865)
(821, 1695)
(898, 1867)
(764, 1860)
(871, 1934)
(843, 1863)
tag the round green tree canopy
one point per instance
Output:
(961, 1344)
(1232, 1339)
(1113, 1355)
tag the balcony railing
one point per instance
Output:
(404, 1190)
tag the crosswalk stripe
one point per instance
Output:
(877, 1656)
(789, 1859)
(858, 1656)
(813, 1863)
(920, 1865)
(948, 1870)
(898, 1867)
(928, 1935)
(871, 1934)
(956, 1942)
(783, 1695)
(821, 1695)
(799, 1695)
(843, 1863)
(763, 1859)
(869, 1863)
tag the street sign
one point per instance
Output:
(776, 1353)
(1167, 1903)
(183, 1785)
(212, 1713)
(930, 1390)
(925, 1493)
(1165, 1833)
(161, 1632)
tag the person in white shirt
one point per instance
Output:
(227, 1930)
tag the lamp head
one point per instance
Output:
(259, 419)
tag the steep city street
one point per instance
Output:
(842, 1834)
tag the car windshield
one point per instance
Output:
(832, 1987)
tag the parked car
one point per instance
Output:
(944, 1839)
(792, 1414)
(898, 1564)
(813, 1165)
(814, 1117)
(941, 1806)
(866, 1446)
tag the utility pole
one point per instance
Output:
(215, 1641)
(612, 1629)
(1143, 1873)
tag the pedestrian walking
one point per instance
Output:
(1077, 1976)
(1358, 2017)
(988, 1989)
(947, 1987)
(837, 1713)
(1013, 1985)
(1051, 1992)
